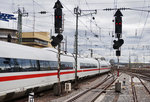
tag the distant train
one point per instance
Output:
(24, 69)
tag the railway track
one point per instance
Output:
(145, 75)
(142, 95)
(47, 95)
(145, 86)
(133, 91)
(91, 94)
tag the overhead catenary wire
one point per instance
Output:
(143, 28)
(29, 26)
(80, 21)
(140, 18)
(119, 2)
(141, 13)
(94, 24)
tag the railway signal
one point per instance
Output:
(118, 53)
(118, 23)
(58, 16)
(56, 40)
(58, 24)
(118, 44)
(118, 31)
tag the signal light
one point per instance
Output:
(58, 18)
(56, 40)
(118, 43)
(118, 24)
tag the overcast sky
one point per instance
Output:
(136, 25)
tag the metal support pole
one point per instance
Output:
(129, 61)
(33, 17)
(76, 48)
(58, 29)
(66, 45)
(19, 27)
(59, 64)
(77, 11)
(91, 53)
(118, 68)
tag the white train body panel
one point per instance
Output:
(22, 85)
(104, 66)
(20, 81)
(89, 71)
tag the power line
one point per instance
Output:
(80, 20)
(28, 26)
(119, 2)
(87, 4)
(140, 16)
(74, 15)
(143, 28)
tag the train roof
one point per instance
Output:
(87, 60)
(11, 50)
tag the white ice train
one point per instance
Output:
(24, 69)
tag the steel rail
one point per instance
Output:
(86, 91)
(133, 91)
(144, 86)
(106, 87)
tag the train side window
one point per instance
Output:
(5, 65)
(87, 65)
(9, 65)
(48, 65)
(27, 65)
(66, 65)
(53, 65)
(93, 65)
(24, 65)
(70, 65)
(33, 65)
(44, 65)
(82, 65)
(103, 66)
(17, 65)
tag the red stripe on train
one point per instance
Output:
(9, 78)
